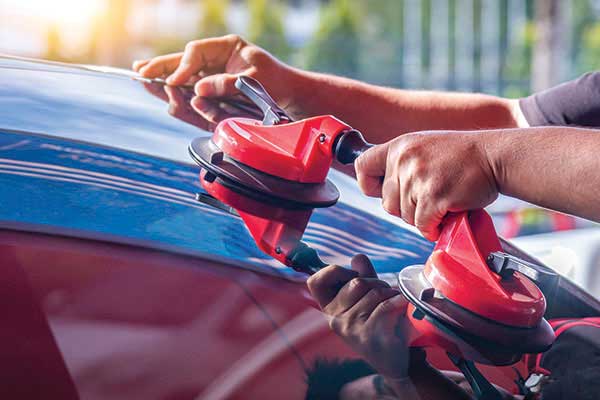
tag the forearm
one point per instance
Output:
(384, 113)
(553, 167)
(426, 384)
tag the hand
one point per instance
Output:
(179, 105)
(428, 174)
(213, 66)
(367, 313)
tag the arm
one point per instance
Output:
(370, 317)
(557, 168)
(575, 103)
(429, 174)
(380, 113)
(426, 383)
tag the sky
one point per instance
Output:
(25, 23)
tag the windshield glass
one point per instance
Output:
(109, 183)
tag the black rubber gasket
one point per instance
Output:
(259, 185)
(483, 334)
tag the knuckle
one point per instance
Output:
(389, 206)
(359, 163)
(323, 276)
(234, 37)
(419, 167)
(237, 40)
(358, 285)
(190, 46)
(154, 63)
(334, 324)
(365, 186)
(338, 326)
(408, 217)
(173, 109)
(386, 305)
(421, 224)
(377, 292)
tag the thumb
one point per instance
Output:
(220, 85)
(361, 264)
(370, 169)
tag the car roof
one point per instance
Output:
(91, 153)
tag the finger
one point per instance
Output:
(428, 219)
(407, 205)
(390, 194)
(325, 284)
(179, 107)
(396, 304)
(221, 85)
(160, 66)
(205, 54)
(370, 167)
(137, 64)
(352, 292)
(362, 264)
(157, 90)
(176, 101)
(363, 308)
(210, 109)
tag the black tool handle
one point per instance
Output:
(253, 90)
(482, 388)
(305, 259)
(349, 146)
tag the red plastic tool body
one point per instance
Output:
(302, 152)
(297, 151)
(275, 230)
(457, 268)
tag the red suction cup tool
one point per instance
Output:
(471, 299)
(274, 172)
(277, 161)
(277, 231)
(475, 301)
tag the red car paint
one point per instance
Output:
(132, 323)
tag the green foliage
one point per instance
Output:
(381, 37)
(589, 59)
(584, 46)
(334, 48)
(266, 27)
(168, 44)
(213, 22)
(519, 58)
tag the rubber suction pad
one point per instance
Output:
(479, 332)
(259, 185)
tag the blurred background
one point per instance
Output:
(503, 47)
(506, 47)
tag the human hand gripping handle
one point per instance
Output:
(423, 176)
(370, 317)
(366, 313)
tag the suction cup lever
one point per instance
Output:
(505, 264)
(253, 90)
(349, 146)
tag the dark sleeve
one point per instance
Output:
(572, 103)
